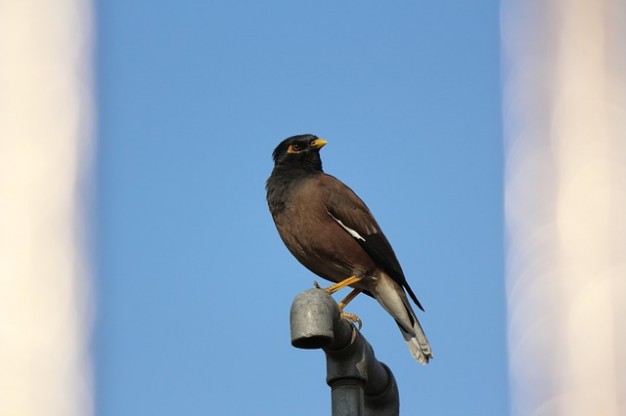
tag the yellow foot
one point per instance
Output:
(354, 319)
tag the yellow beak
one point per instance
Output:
(318, 143)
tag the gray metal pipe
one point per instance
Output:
(360, 384)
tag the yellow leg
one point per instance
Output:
(355, 292)
(345, 282)
(349, 298)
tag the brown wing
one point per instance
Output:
(351, 213)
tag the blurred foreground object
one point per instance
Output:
(565, 122)
(45, 144)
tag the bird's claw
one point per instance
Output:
(316, 285)
(354, 319)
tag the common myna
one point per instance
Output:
(327, 227)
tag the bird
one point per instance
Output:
(330, 230)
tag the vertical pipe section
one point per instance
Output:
(45, 118)
(347, 397)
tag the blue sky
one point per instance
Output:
(193, 285)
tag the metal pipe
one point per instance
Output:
(360, 384)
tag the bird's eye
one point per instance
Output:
(295, 148)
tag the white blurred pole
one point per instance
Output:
(565, 122)
(45, 128)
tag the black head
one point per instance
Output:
(301, 151)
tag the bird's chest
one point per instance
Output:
(300, 220)
(316, 240)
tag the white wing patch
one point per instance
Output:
(348, 229)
